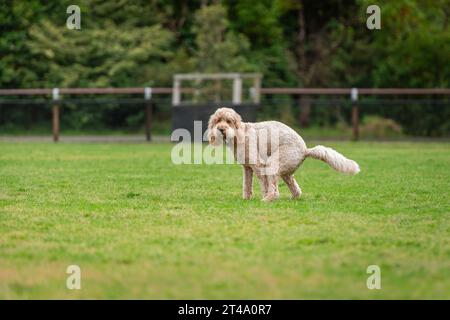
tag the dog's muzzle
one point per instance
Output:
(223, 133)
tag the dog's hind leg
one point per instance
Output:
(272, 188)
(292, 185)
(277, 192)
(270, 171)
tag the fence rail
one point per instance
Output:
(362, 91)
(18, 92)
(353, 93)
(293, 91)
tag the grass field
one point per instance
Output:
(141, 227)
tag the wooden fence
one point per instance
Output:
(147, 92)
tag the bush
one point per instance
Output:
(378, 127)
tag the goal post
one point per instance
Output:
(237, 85)
(195, 96)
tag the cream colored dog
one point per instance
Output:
(270, 150)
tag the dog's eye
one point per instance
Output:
(228, 121)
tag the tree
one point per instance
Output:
(315, 30)
(16, 18)
(262, 22)
(109, 50)
(410, 50)
(218, 49)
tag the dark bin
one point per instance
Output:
(184, 115)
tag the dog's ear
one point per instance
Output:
(237, 120)
(240, 133)
(211, 121)
(211, 135)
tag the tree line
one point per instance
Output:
(292, 43)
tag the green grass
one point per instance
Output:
(140, 227)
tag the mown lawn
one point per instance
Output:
(141, 227)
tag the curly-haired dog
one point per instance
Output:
(271, 150)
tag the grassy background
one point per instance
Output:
(141, 227)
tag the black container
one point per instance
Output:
(184, 115)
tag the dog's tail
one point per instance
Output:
(334, 159)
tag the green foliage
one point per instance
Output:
(101, 53)
(105, 56)
(413, 46)
(217, 48)
(16, 18)
(261, 22)
(292, 43)
(378, 127)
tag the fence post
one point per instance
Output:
(257, 91)
(237, 90)
(305, 102)
(148, 113)
(176, 94)
(355, 113)
(55, 114)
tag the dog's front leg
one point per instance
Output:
(272, 188)
(262, 182)
(247, 184)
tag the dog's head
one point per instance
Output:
(223, 126)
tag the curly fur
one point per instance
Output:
(271, 150)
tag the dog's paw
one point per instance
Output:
(296, 195)
(246, 196)
(269, 198)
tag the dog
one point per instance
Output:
(271, 150)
